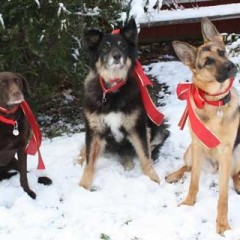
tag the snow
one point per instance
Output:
(1, 21)
(123, 205)
(154, 15)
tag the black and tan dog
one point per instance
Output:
(116, 120)
(14, 141)
(212, 75)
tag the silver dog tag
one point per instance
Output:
(219, 112)
(15, 130)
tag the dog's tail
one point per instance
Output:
(159, 134)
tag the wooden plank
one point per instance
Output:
(183, 31)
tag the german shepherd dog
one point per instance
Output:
(117, 121)
(212, 72)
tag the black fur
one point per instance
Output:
(125, 100)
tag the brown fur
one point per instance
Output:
(12, 88)
(210, 78)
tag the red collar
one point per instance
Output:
(9, 120)
(34, 144)
(118, 83)
(13, 110)
(200, 96)
(191, 93)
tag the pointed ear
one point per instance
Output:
(25, 84)
(92, 38)
(129, 31)
(185, 52)
(210, 32)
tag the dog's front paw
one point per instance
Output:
(149, 171)
(190, 201)
(154, 176)
(85, 184)
(222, 227)
(32, 194)
(45, 180)
(171, 178)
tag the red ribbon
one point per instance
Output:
(35, 142)
(189, 92)
(143, 81)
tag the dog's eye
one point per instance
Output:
(209, 61)
(3, 82)
(221, 53)
(121, 45)
(106, 47)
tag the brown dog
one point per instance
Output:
(212, 73)
(12, 141)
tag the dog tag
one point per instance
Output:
(104, 98)
(15, 130)
(219, 112)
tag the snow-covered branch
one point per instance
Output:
(1, 21)
(61, 9)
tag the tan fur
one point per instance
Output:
(97, 122)
(114, 73)
(225, 127)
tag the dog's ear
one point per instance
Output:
(26, 88)
(210, 32)
(92, 38)
(129, 31)
(186, 52)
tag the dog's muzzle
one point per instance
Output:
(229, 70)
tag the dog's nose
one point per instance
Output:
(16, 94)
(116, 56)
(231, 68)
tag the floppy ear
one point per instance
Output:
(92, 38)
(129, 31)
(25, 84)
(210, 32)
(185, 52)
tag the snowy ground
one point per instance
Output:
(124, 205)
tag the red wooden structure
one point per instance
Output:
(189, 28)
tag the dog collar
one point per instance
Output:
(10, 122)
(118, 83)
(13, 110)
(190, 92)
(34, 144)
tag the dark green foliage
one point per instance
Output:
(42, 41)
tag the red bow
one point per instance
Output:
(143, 81)
(190, 93)
(35, 142)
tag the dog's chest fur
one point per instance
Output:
(119, 114)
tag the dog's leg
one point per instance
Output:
(22, 167)
(224, 175)
(82, 155)
(236, 182)
(197, 159)
(142, 148)
(175, 176)
(93, 148)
